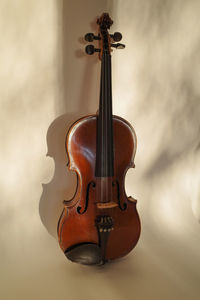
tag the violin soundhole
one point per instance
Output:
(79, 208)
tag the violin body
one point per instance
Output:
(77, 229)
(100, 223)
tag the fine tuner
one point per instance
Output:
(90, 37)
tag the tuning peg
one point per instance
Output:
(118, 46)
(89, 49)
(117, 36)
(89, 37)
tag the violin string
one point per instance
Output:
(106, 126)
(111, 122)
(106, 123)
(104, 129)
(102, 122)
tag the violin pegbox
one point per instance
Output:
(106, 40)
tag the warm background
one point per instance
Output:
(45, 77)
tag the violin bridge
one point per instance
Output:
(103, 205)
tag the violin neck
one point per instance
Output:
(104, 143)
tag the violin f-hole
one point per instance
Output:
(93, 184)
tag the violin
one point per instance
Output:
(100, 223)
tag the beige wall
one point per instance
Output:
(45, 78)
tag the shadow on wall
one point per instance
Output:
(80, 76)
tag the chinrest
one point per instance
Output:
(86, 254)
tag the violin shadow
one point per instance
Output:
(79, 83)
(62, 186)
